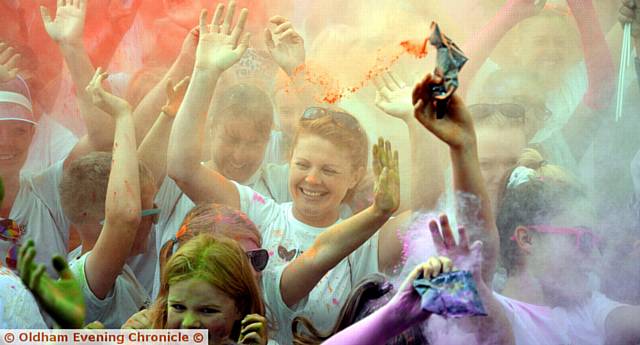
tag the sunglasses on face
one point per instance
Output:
(511, 110)
(586, 240)
(343, 119)
(259, 258)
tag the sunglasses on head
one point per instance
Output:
(586, 240)
(259, 258)
(341, 118)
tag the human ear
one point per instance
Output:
(523, 239)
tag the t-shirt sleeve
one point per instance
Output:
(600, 308)
(45, 186)
(279, 312)
(260, 209)
(94, 306)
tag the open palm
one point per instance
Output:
(393, 96)
(288, 47)
(68, 26)
(220, 45)
(387, 186)
(61, 298)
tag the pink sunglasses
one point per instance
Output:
(586, 240)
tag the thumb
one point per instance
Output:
(46, 16)
(61, 266)
(268, 38)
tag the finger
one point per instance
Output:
(397, 80)
(169, 88)
(391, 84)
(182, 85)
(237, 31)
(62, 267)
(27, 266)
(13, 62)
(540, 4)
(60, 3)
(278, 20)
(82, 4)
(217, 18)
(251, 318)
(35, 277)
(202, 24)
(244, 44)
(396, 161)
(463, 240)
(447, 264)
(6, 55)
(377, 167)
(447, 234)
(438, 242)
(252, 338)
(268, 39)
(434, 266)
(251, 327)
(290, 36)
(228, 19)
(282, 28)
(388, 154)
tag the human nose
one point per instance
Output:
(191, 321)
(313, 177)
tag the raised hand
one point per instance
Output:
(105, 101)
(9, 60)
(407, 301)
(386, 170)
(221, 45)
(456, 128)
(464, 257)
(393, 96)
(62, 298)
(288, 48)
(175, 95)
(253, 330)
(68, 27)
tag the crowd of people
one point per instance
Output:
(287, 172)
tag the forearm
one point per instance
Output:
(480, 46)
(146, 112)
(153, 150)
(467, 179)
(123, 191)
(328, 250)
(99, 125)
(374, 329)
(427, 173)
(188, 133)
(598, 60)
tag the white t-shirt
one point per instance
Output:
(271, 180)
(18, 308)
(583, 325)
(285, 238)
(37, 208)
(126, 298)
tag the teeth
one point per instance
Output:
(7, 157)
(310, 193)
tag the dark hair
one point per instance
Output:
(369, 295)
(536, 201)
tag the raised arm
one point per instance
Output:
(393, 97)
(67, 30)
(340, 240)
(123, 204)
(481, 45)
(219, 47)
(402, 312)
(456, 130)
(150, 106)
(153, 150)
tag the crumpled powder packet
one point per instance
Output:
(452, 294)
